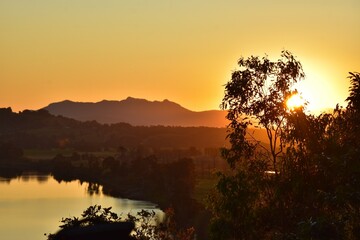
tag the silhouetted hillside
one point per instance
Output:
(40, 129)
(138, 112)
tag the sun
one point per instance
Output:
(295, 101)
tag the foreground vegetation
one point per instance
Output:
(145, 225)
(306, 185)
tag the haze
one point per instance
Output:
(185, 51)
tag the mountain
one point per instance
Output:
(138, 112)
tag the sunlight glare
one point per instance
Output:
(295, 101)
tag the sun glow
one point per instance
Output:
(295, 101)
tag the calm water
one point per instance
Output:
(32, 205)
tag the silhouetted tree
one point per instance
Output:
(311, 192)
(257, 94)
(108, 225)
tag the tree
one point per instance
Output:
(354, 97)
(353, 110)
(108, 225)
(304, 184)
(327, 163)
(257, 94)
(10, 152)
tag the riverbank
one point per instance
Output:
(165, 184)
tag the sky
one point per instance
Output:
(181, 50)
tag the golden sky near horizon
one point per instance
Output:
(184, 51)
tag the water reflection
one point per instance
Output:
(31, 176)
(42, 178)
(93, 189)
(33, 204)
(25, 177)
(4, 180)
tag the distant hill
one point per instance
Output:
(138, 112)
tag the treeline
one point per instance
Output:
(144, 178)
(41, 130)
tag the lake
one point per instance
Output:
(33, 204)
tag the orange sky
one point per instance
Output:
(185, 51)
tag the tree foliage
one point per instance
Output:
(256, 94)
(147, 225)
(305, 183)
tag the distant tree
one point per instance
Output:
(110, 164)
(10, 152)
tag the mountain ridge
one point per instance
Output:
(138, 112)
